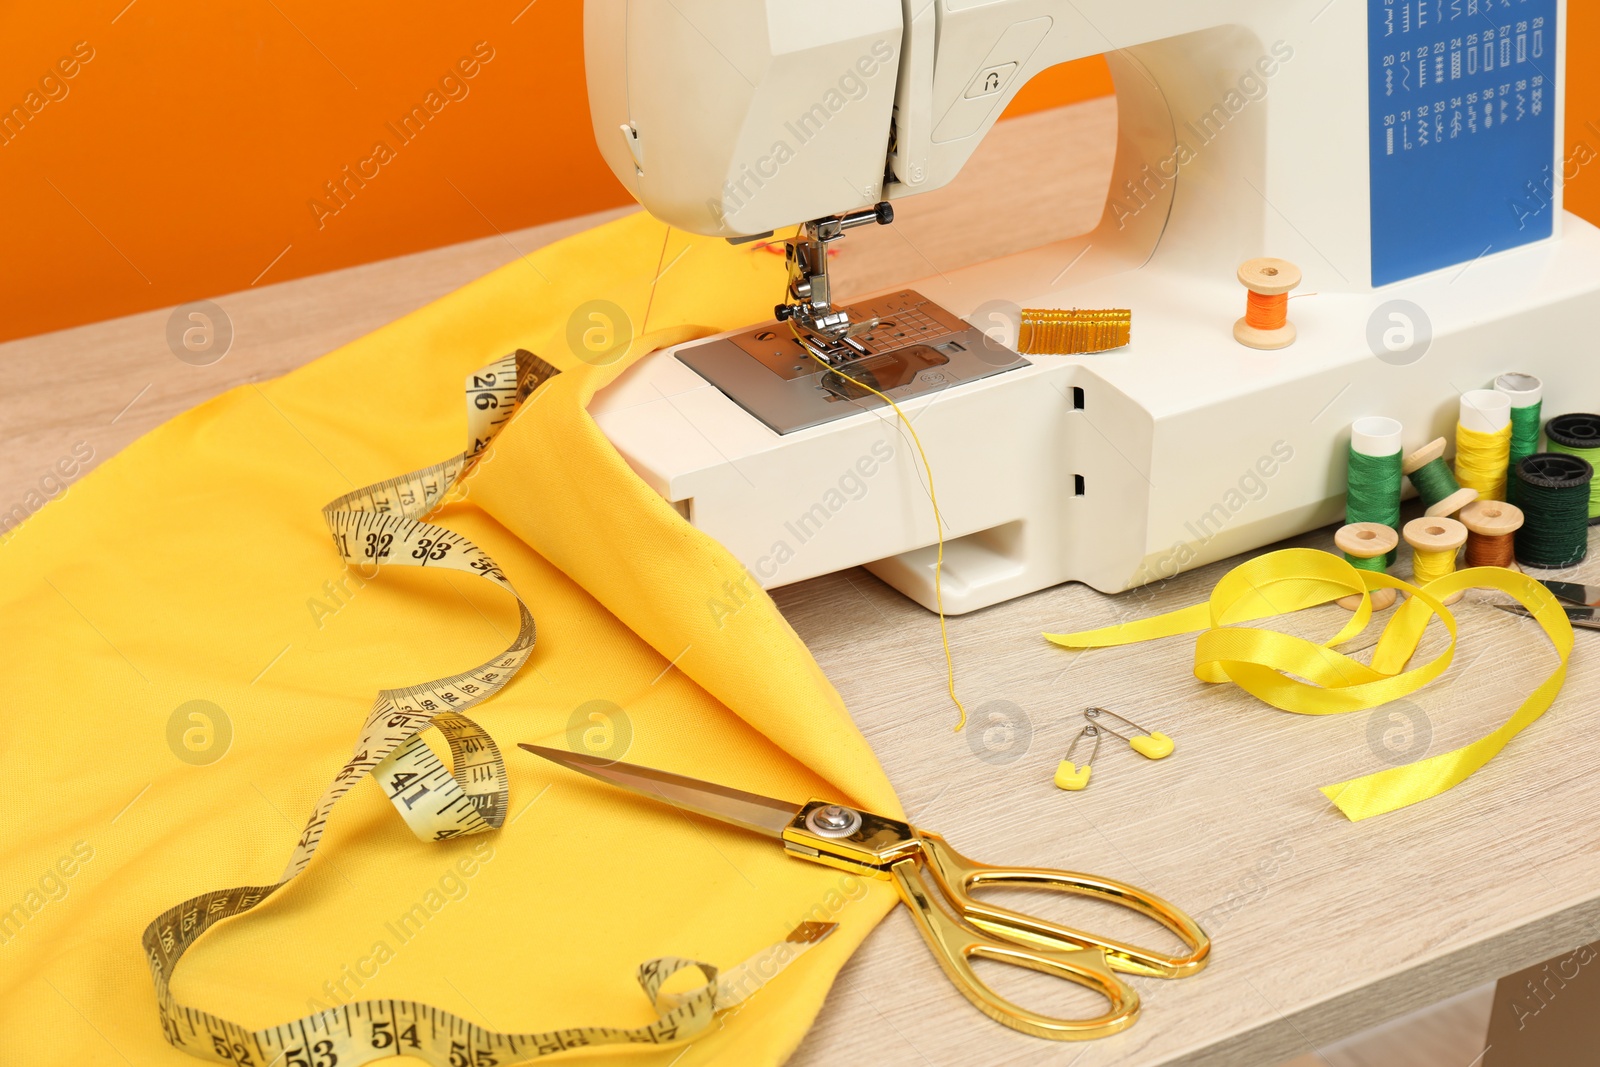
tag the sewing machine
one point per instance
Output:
(1396, 150)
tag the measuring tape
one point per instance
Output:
(381, 525)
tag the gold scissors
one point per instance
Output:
(864, 843)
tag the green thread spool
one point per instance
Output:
(1578, 435)
(1440, 492)
(1365, 546)
(1373, 493)
(1375, 563)
(1527, 395)
(1553, 492)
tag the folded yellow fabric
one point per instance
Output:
(194, 566)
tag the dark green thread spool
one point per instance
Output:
(1552, 490)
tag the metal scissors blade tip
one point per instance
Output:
(763, 815)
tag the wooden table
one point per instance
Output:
(1322, 927)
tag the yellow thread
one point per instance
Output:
(1049, 331)
(938, 524)
(1482, 459)
(1430, 566)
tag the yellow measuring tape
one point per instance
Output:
(1270, 665)
(381, 525)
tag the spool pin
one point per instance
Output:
(1269, 282)
(1436, 534)
(1421, 458)
(1487, 522)
(1367, 540)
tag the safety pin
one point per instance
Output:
(1154, 745)
(1068, 774)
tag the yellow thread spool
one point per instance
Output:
(1266, 324)
(1483, 442)
(1367, 540)
(1434, 541)
(1053, 332)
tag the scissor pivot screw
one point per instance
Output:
(833, 820)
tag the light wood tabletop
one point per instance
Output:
(1322, 927)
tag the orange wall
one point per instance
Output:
(184, 155)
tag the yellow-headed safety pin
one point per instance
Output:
(1071, 776)
(1153, 745)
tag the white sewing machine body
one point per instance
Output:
(1244, 130)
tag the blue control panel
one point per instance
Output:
(1462, 127)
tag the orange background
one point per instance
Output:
(183, 157)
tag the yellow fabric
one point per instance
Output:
(190, 567)
(1270, 665)
(1482, 460)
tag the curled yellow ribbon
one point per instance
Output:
(1270, 665)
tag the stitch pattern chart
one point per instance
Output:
(1461, 98)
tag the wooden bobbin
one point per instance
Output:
(1436, 534)
(1366, 540)
(1491, 518)
(1269, 277)
(1421, 458)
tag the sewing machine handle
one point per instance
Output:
(954, 945)
(957, 876)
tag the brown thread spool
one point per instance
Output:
(1266, 322)
(1367, 540)
(1490, 525)
(1438, 538)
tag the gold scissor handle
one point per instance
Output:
(954, 946)
(957, 876)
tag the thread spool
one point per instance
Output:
(1266, 322)
(1373, 493)
(1365, 546)
(1526, 394)
(1553, 492)
(1578, 435)
(1434, 541)
(1437, 487)
(1491, 529)
(1483, 442)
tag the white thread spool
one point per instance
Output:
(1374, 435)
(1485, 410)
(1523, 390)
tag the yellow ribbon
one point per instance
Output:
(1270, 665)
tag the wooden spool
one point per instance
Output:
(1436, 533)
(1490, 518)
(1421, 458)
(1269, 277)
(1367, 540)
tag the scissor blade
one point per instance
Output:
(1574, 592)
(1582, 618)
(751, 811)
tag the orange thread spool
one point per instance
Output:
(1266, 322)
(1266, 312)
